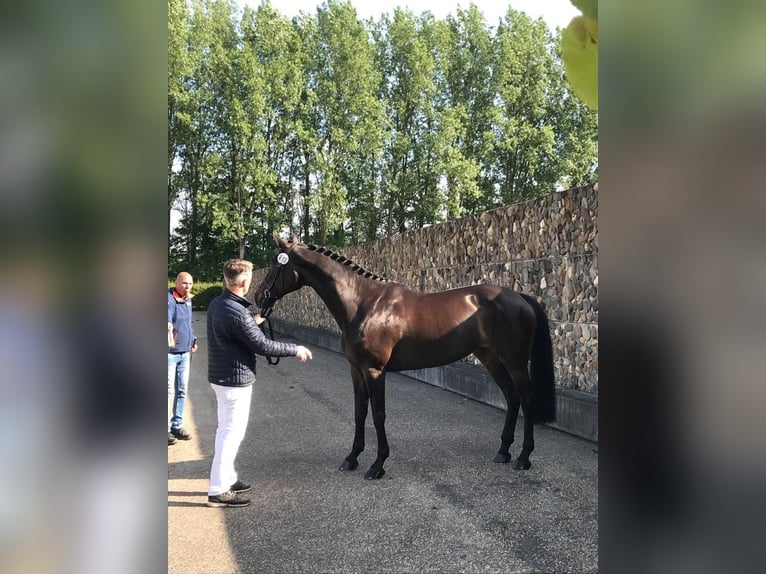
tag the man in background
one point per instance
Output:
(181, 343)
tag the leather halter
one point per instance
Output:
(269, 299)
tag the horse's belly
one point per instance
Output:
(411, 354)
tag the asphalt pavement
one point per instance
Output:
(443, 505)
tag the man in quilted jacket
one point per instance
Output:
(233, 339)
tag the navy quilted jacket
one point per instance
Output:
(233, 338)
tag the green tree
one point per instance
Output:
(306, 120)
(468, 115)
(348, 113)
(355, 129)
(523, 160)
(409, 174)
(196, 131)
(236, 102)
(575, 126)
(273, 50)
(178, 71)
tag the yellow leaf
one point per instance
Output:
(579, 50)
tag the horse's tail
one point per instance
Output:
(543, 379)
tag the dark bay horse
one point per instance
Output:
(387, 327)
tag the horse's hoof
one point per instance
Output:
(374, 473)
(502, 457)
(348, 465)
(522, 464)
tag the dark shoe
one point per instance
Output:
(227, 499)
(171, 439)
(180, 433)
(239, 487)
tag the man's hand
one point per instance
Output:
(258, 319)
(194, 348)
(303, 354)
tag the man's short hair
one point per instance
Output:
(233, 270)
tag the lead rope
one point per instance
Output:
(270, 360)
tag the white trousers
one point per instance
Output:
(233, 414)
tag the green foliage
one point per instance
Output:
(204, 293)
(579, 49)
(525, 140)
(345, 131)
(347, 113)
(468, 113)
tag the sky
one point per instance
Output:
(554, 12)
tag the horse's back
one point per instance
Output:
(443, 327)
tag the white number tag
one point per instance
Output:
(282, 258)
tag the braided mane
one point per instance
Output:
(343, 260)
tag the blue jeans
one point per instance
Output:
(178, 383)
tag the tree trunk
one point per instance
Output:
(322, 230)
(193, 192)
(170, 210)
(391, 205)
(306, 192)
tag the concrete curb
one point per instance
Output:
(577, 412)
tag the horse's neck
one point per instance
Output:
(337, 288)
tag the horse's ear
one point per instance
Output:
(280, 241)
(294, 238)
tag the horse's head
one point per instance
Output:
(282, 277)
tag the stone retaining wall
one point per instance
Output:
(547, 246)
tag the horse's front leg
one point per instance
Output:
(361, 398)
(376, 386)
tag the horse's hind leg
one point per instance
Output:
(361, 398)
(502, 378)
(523, 384)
